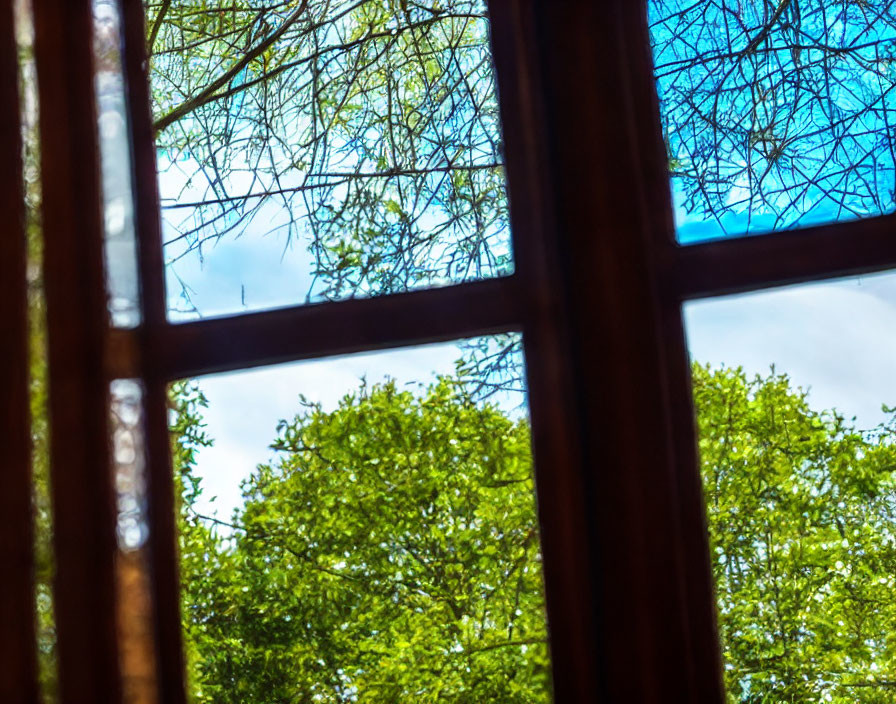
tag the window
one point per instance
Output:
(596, 291)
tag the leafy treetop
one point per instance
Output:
(390, 554)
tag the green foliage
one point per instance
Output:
(44, 564)
(198, 546)
(390, 554)
(801, 516)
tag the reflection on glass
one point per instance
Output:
(383, 545)
(135, 632)
(129, 459)
(44, 557)
(118, 205)
(798, 460)
(776, 114)
(323, 150)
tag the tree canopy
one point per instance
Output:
(365, 133)
(368, 129)
(802, 521)
(390, 554)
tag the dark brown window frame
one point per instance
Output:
(18, 662)
(597, 294)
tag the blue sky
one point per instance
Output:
(780, 124)
(836, 339)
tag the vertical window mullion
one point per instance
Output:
(83, 500)
(161, 510)
(18, 675)
(560, 482)
(654, 637)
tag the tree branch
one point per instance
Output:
(156, 26)
(205, 95)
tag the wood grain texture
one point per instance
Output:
(326, 329)
(654, 633)
(567, 525)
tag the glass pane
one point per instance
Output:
(776, 114)
(798, 458)
(359, 529)
(122, 279)
(135, 618)
(322, 150)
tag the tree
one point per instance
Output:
(391, 553)
(364, 132)
(802, 520)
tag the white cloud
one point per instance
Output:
(837, 339)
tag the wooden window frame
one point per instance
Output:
(597, 295)
(18, 664)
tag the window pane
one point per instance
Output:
(374, 539)
(122, 280)
(323, 150)
(799, 470)
(776, 114)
